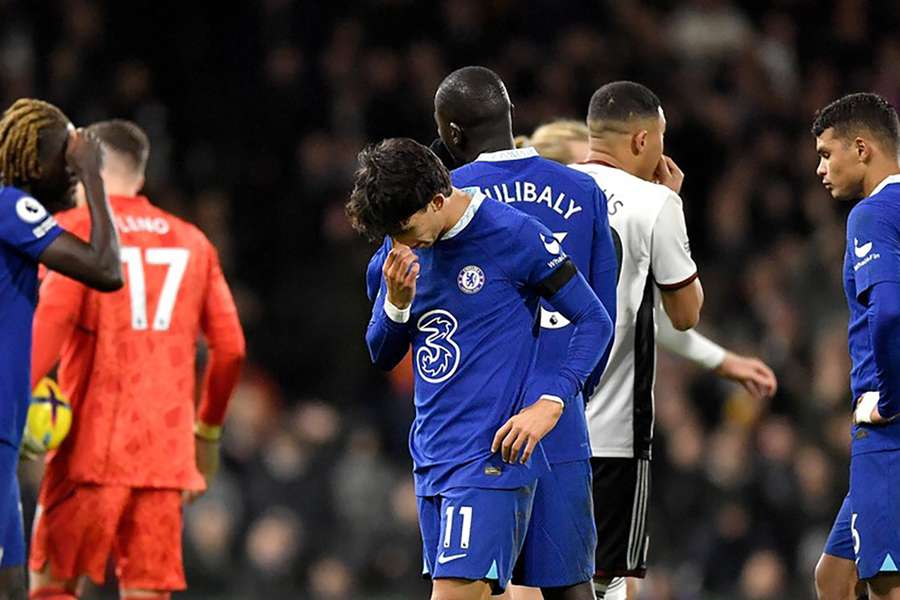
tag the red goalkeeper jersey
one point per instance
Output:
(127, 358)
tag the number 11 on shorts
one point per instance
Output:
(466, 513)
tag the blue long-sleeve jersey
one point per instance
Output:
(872, 288)
(26, 229)
(573, 207)
(474, 341)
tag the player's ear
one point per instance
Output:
(456, 134)
(437, 203)
(863, 151)
(639, 142)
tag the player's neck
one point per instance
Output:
(454, 207)
(604, 156)
(878, 173)
(494, 143)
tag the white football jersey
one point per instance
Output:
(650, 234)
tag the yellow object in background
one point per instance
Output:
(49, 416)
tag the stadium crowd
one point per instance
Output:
(256, 113)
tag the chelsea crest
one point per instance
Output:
(470, 279)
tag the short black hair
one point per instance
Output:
(861, 111)
(396, 178)
(472, 96)
(623, 101)
(125, 137)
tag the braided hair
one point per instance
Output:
(20, 132)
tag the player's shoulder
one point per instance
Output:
(19, 202)
(187, 231)
(10, 193)
(878, 210)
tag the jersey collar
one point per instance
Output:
(501, 155)
(466, 218)
(885, 182)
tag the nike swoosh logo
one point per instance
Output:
(863, 250)
(445, 559)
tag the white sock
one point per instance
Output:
(617, 589)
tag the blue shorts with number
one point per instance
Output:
(474, 533)
(840, 540)
(561, 541)
(12, 529)
(875, 512)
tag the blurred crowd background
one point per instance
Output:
(256, 111)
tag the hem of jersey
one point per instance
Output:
(672, 287)
(48, 238)
(611, 453)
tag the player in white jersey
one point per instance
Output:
(567, 141)
(626, 159)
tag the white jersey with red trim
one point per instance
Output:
(650, 234)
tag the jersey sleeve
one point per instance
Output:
(387, 337)
(535, 259)
(25, 224)
(225, 338)
(59, 306)
(670, 251)
(875, 246)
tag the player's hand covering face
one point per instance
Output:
(523, 431)
(401, 268)
(669, 174)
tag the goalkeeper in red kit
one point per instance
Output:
(138, 447)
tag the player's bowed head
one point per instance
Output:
(858, 143)
(473, 113)
(402, 190)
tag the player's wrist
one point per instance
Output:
(207, 432)
(396, 313)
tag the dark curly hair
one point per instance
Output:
(861, 111)
(396, 178)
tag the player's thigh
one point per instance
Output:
(835, 578)
(460, 589)
(74, 528)
(480, 535)
(519, 592)
(875, 512)
(148, 542)
(12, 583)
(621, 503)
(884, 586)
(561, 541)
(835, 574)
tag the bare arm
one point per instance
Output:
(96, 263)
(683, 305)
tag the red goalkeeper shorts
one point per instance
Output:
(79, 526)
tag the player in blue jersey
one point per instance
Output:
(461, 281)
(474, 116)
(858, 142)
(42, 157)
